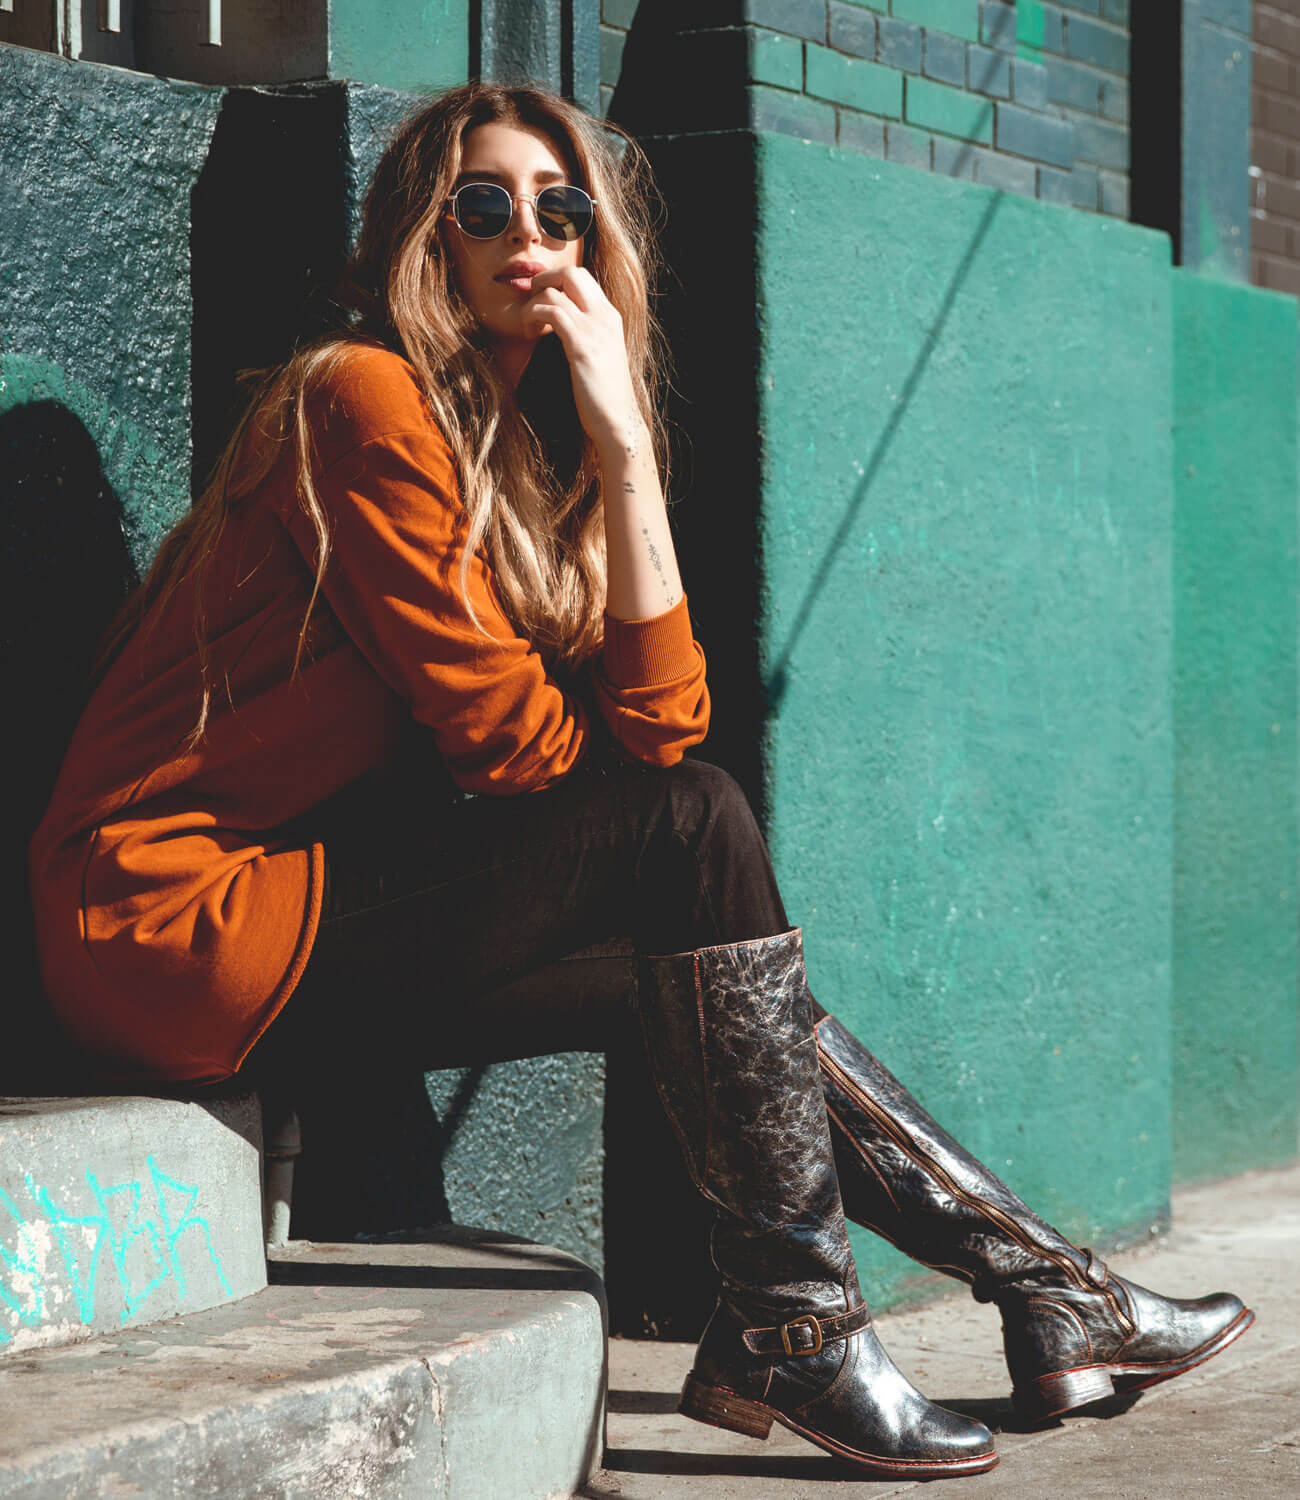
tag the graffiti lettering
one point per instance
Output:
(133, 1224)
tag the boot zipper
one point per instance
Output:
(989, 1210)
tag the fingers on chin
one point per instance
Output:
(551, 313)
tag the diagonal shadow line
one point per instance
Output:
(466, 1089)
(983, 86)
(778, 681)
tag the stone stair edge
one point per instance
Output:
(487, 1358)
(120, 1209)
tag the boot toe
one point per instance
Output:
(1177, 1334)
(958, 1437)
(873, 1415)
(1175, 1328)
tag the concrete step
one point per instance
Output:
(120, 1210)
(469, 1368)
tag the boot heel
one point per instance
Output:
(722, 1408)
(1050, 1395)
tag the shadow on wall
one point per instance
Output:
(671, 81)
(66, 570)
(268, 239)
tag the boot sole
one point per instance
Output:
(716, 1406)
(1067, 1390)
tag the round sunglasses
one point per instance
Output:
(483, 210)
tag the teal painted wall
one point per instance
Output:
(966, 516)
(963, 600)
(96, 168)
(1235, 871)
(523, 1148)
(1043, 846)
(421, 45)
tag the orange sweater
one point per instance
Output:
(175, 907)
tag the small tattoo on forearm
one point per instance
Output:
(628, 487)
(658, 563)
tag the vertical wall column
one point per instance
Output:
(552, 42)
(1236, 831)
(1191, 129)
(1275, 147)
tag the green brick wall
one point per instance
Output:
(953, 17)
(853, 82)
(950, 111)
(1029, 98)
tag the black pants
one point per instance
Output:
(435, 911)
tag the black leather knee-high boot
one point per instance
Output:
(1074, 1331)
(728, 1032)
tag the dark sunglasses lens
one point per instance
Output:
(564, 213)
(483, 210)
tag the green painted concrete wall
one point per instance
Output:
(966, 514)
(96, 167)
(1235, 871)
(523, 1148)
(959, 629)
(420, 45)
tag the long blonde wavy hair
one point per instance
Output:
(528, 474)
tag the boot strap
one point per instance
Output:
(806, 1335)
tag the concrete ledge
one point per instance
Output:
(121, 1210)
(468, 1369)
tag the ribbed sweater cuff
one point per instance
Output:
(642, 653)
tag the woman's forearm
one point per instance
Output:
(643, 577)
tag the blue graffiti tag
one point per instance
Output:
(23, 1289)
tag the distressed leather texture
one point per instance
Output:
(728, 1034)
(904, 1176)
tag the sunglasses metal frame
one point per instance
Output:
(530, 198)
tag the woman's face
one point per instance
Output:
(495, 276)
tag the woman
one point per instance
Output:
(435, 555)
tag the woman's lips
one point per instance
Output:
(520, 275)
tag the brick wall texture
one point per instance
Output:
(1028, 97)
(1275, 147)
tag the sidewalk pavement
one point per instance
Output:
(1228, 1429)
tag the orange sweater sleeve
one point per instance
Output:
(650, 685)
(502, 724)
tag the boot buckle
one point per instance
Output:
(809, 1322)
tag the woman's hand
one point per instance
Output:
(643, 578)
(570, 303)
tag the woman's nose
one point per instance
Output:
(524, 225)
